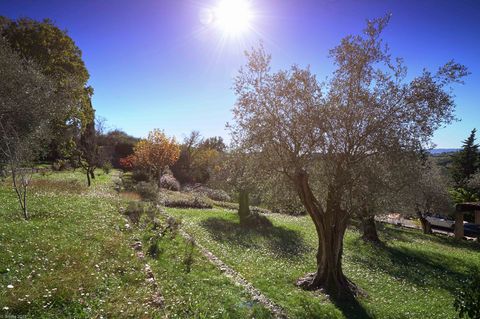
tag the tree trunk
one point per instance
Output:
(459, 230)
(369, 229)
(25, 212)
(243, 206)
(426, 226)
(92, 173)
(330, 225)
(89, 182)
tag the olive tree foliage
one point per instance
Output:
(25, 94)
(376, 192)
(239, 173)
(429, 192)
(320, 137)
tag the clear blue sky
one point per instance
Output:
(153, 65)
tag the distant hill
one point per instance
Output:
(437, 151)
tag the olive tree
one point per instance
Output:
(429, 192)
(25, 94)
(379, 190)
(320, 136)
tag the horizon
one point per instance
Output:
(155, 64)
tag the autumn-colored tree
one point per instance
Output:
(128, 162)
(156, 153)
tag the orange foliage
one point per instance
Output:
(156, 152)
(127, 163)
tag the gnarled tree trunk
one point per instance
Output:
(369, 229)
(330, 225)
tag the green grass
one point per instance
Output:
(73, 259)
(411, 276)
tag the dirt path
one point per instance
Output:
(256, 295)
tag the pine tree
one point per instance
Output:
(466, 162)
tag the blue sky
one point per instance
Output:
(154, 65)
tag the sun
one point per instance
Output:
(233, 17)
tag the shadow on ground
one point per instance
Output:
(410, 235)
(281, 241)
(352, 309)
(420, 268)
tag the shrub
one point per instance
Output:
(169, 182)
(467, 300)
(226, 205)
(127, 182)
(138, 211)
(214, 194)
(148, 191)
(154, 250)
(188, 258)
(60, 165)
(234, 206)
(107, 167)
(259, 210)
(127, 163)
(184, 200)
(140, 176)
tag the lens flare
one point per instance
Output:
(233, 17)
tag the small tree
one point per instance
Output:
(156, 153)
(429, 191)
(25, 94)
(466, 162)
(240, 174)
(377, 192)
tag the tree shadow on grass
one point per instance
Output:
(410, 235)
(352, 308)
(286, 243)
(420, 268)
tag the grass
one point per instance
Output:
(411, 276)
(73, 259)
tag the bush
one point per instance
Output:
(184, 200)
(60, 165)
(127, 182)
(107, 167)
(169, 182)
(135, 210)
(234, 206)
(140, 176)
(214, 194)
(148, 191)
(226, 205)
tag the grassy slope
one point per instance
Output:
(412, 276)
(73, 259)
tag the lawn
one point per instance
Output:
(73, 258)
(411, 276)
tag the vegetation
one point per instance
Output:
(466, 162)
(321, 140)
(151, 241)
(154, 154)
(411, 276)
(74, 259)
